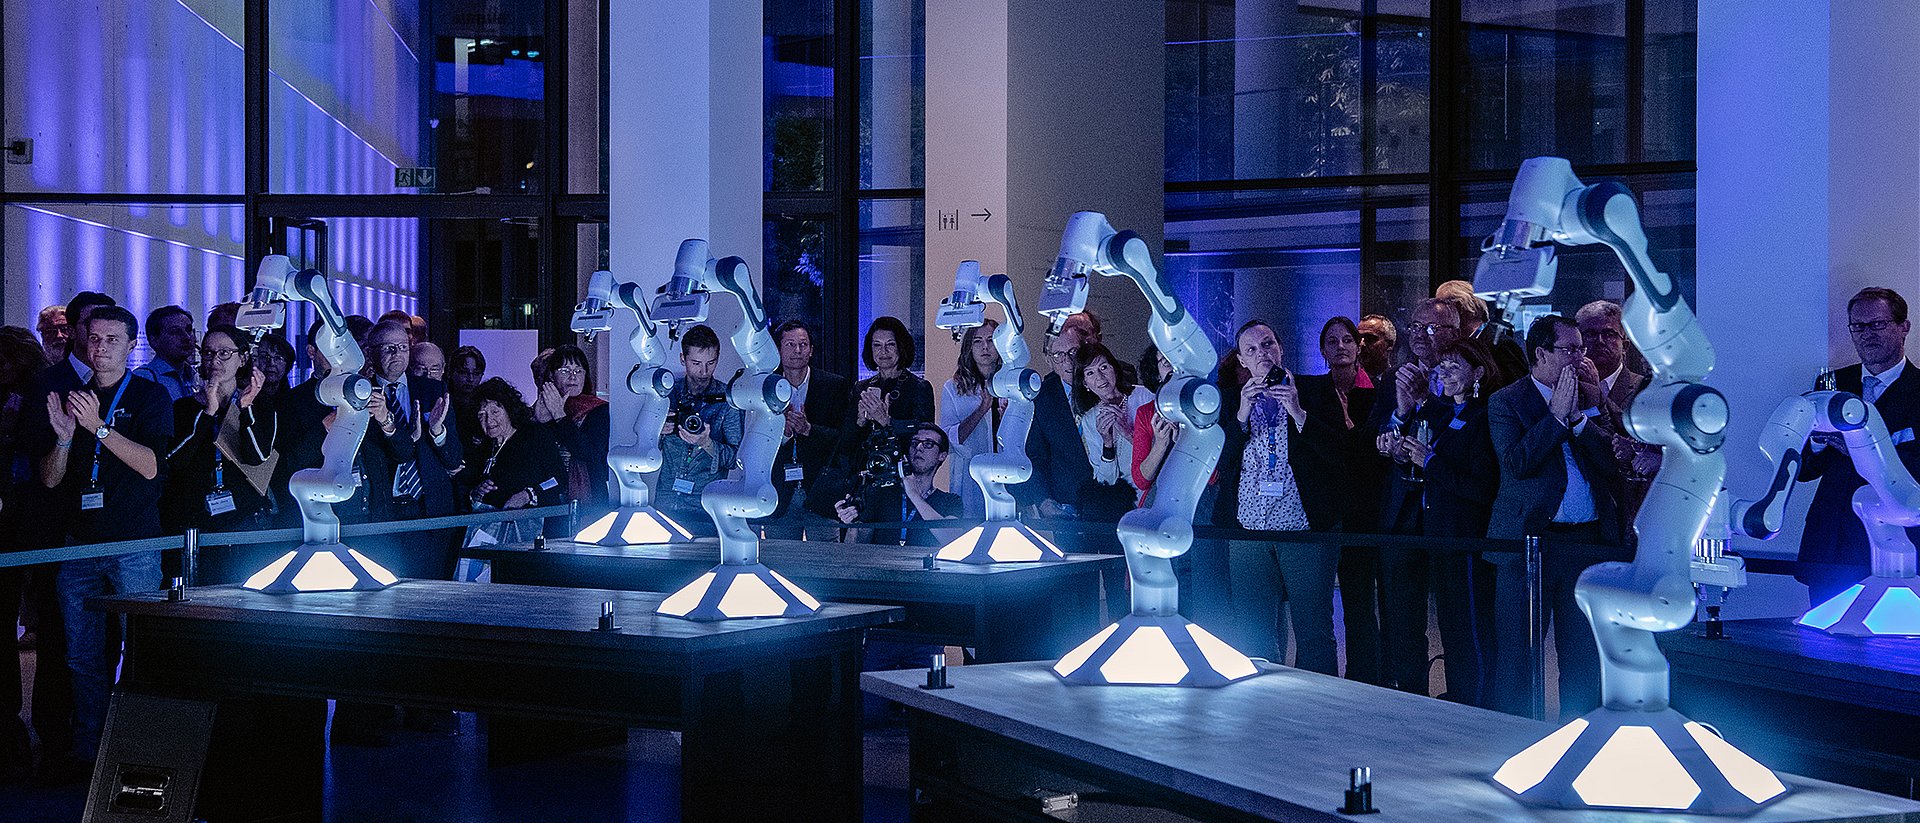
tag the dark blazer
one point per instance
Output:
(1060, 464)
(299, 430)
(1833, 534)
(586, 445)
(1336, 466)
(827, 411)
(183, 503)
(1533, 472)
(911, 406)
(1464, 475)
(381, 454)
(529, 460)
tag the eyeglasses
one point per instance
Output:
(1060, 355)
(220, 355)
(1575, 351)
(1604, 334)
(1875, 326)
(1431, 329)
(570, 371)
(269, 356)
(392, 349)
(1369, 339)
(926, 444)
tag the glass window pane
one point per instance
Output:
(126, 96)
(893, 64)
(1295, 258)
(799, 95)
(586, 97)
(797, 261)
(893, 260)
(358, 89)
(1668, 96)
(1398, 134)
(1544, 77)
(145, 257)
(1592, 272)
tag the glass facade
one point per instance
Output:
(1317, 151)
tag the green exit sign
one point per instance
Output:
(420, 178)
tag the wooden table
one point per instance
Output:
(1276, 747)
(1007, 611)
(1841, 708)
(768, 709)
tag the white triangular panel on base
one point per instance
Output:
(1000, 541)
(734, 591)
(639, 526)
(1149, 650)
(1614, 759)
(1874, 607)
(320, 567)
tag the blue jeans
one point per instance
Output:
(88, 657)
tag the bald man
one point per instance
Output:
(426, 360)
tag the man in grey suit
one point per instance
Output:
(1557, 478)
(1636, 462)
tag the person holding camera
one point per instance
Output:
(902, 491)
(701, 436)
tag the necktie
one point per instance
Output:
(406, 477)
(1872, 386)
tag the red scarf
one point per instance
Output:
(581, 405)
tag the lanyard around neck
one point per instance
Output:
(107, 420)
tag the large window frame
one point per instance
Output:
(556, 212)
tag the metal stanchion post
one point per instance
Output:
(1536, 633)
(190, 558)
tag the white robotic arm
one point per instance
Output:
(1153, 536)
(1626, 603)
(740, 587)
(321, 563)
(635, 521)
(1000, 538)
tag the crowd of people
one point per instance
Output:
(1443, 427)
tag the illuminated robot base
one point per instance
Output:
(1618, 759)
(320, 567)
(732, 591)
(1874, 606)
(634, 527)
(1000, 541)
(1154, 650)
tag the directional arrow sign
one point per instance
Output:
(983, 214)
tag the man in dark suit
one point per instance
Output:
(1834, 553)
(1556, 482)
(1059, 459)
(814, 417)
(410, 450)
(1634, 462)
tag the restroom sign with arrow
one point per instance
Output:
(950, 219)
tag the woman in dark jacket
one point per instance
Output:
(579, 422)
(522, 466)
(218, 467)
(1461, 476)
(888, 405)
(1340, 479)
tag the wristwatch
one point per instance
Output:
(102, 432)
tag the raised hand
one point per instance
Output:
(85, 408)
(437, 416)
(1409, 388)
(60, 417)
(377, 407)
(250, 392)
(1566, 397)
(419, 422)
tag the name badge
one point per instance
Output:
(219, 503)
(357, 480)
(550, 485)
(683, 486)
(93, 498)
(1272, 488)
(1456, 424)
(796, 473)
(1903, 436)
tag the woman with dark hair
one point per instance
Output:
(1268, 419)
(1107, 398)
(1340, 476)
(522, 466)
(970, 414)
(1461, 475)
(579, 422)
(465, 371)
(220, 466)
(889, 404)
(272, 359)
(1154, 436)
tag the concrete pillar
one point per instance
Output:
(684, 152)
(1036, 110)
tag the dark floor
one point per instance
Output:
(444, 777)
